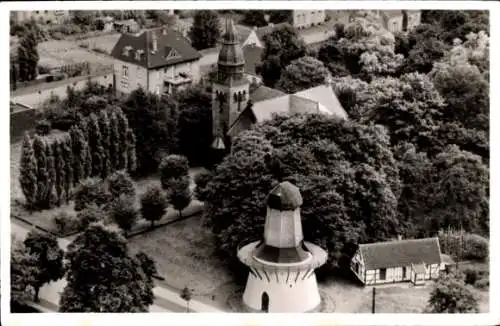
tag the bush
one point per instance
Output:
(120, 183)
(482, 283)
(123, 212)
(201, 181)
(92, 213)
(153, 204)
(471, 276)
(65, 223)
(172, 167)
(43, 70)
(43, 127)
(49, 78)
(474, 247)
(83, 45)
(57, 35)
(90, 191)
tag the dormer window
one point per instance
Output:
(126, 50)
(138, 54)
(171, 53)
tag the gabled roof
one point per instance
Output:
(243, 32)
(400, 253)
(252, 58)
(326, 97)
(262, 31)
(169, 41)
(263, 93)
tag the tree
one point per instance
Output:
(422, 57)
(84, 17)
(195, 113)
(282, 46)
(254, 18)
(27, 56)
(120, 183)
(451, 295)
(179, 193)
(173, 167)
(186, 295)
(28, 172)
(338, 165)
(82, 160)
(147, 264)
(90, 214)
(48, 256)
(24, 272)
(301, 74)
(201, 180)
(151, 120)
(60, 168)
(43, 189)
(90, 191)
(153, 204)
(205, 30)
(124, 213)
(105, 128)
(103, 276)
(461, 191)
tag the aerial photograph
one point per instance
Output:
(250, 161)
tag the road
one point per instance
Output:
(165, 299)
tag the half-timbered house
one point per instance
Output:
(412, 260)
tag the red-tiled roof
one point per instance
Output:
(400, 253)
(165, 42)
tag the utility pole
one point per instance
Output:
(373, 300)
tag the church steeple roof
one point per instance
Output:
(231, 53)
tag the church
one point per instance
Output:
(237, 105)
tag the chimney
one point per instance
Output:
(154, 42)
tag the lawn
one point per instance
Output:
(185, 256)
(390, 298)
(55, 53)
(104, 42)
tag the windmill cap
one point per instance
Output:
(285, 197)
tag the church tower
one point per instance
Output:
(230, 87)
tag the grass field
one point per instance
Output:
(55, 53)
(104, 42)
(184, 253)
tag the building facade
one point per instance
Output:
(400, 20)
(41, 16)
(307, 18)
(281, 266)
(414, 261)
(160, 61)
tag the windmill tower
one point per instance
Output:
(282, 265)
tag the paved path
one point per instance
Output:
(165, 301)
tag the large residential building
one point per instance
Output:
(159, 61)
(236, 106)
(307, 18)
(41, 16)
(400, 20)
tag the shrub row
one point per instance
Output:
(466, 246)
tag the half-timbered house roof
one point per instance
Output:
(400, 253)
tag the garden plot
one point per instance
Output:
(59, 53)
(104, 43)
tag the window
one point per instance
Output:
(124, 71)
(383, 273)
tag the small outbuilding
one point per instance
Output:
(412, 260)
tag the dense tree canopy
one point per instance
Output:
(345, 171)
(301, 74)
(103, 276)
(27, 56)
(451, 295)
(282, 46)
(254, 18)
(205, 31)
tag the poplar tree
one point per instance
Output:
(104, 127)
(122, 143)
(28, 171)
(77, 146)
(95, 145)
(131, 157)
(42, 171)
(67, 152)
(51, 196)
(114, 139)
(60, 168)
